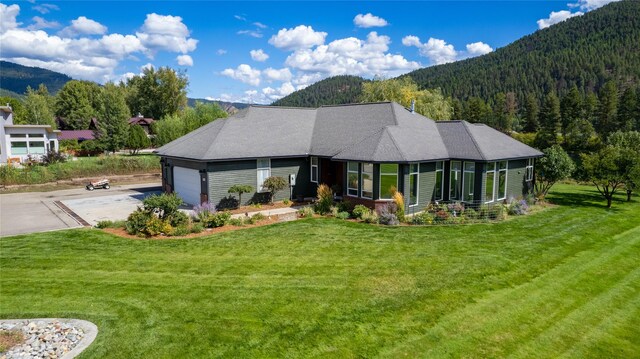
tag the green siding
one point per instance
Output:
(516, 172)
(223, 175)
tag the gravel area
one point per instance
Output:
(49, 338)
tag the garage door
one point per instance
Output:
(186, 182)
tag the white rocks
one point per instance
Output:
(50, 339)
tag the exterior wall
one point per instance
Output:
(223, 175)
(516, 185)
(49, 138)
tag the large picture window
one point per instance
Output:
(502, 180)
(455, 180)
(529, 170)
(490, 182)
(437, 195)
(264, 172)
(367, 180)
(36, 148)
(314, 169)
(414, 174)
(352, 179)
(469, 181)
(19, 148)
(388, 180)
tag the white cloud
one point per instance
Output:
(148, 65)
(8, 14)
(40, 23)
(83, 26)
(436, 50)
(260, 25)
(272, 74)
(351, 56)
(244, 73)
(556, 17)
(221, 52)
(252, 33)
(239, 17)
(300, 37)
(184, 60)
(272, 94)
(588, 5)
(369, 20)
(45, 8)
(87, 58)
(166, 32)
(478, 48)
(258, 55)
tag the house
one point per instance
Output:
(18, 142)
(363, 151)
(66, 133)
(144, 122)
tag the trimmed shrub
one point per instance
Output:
(240, 189)
(324, 199)
(136, 223)
(164, 205)
(371, 217)
(342, 215)
(334, 211)
(197, 228)
(181, 231)
(306, 212)
(359, 211)
(274, 184)
(218, 220)
(238, 222)
(178, 219)
(345, 206)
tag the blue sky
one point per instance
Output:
(260, 51)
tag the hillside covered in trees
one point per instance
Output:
(332, 91)
(16, 78)
(585, 51)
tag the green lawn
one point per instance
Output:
(564, 282)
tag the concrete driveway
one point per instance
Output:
(31, 212)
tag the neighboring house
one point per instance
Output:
(363, 151)
(144, 122)
(18, 142)
(78, 135)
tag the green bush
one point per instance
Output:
(274, 184)
(371, 217)
(342, 215)
(136, 223)
(197, 228)
(181, 231)
(306, 212)
(333, 210)
(178, 219)
(218, 219)
(257, 217)
(423, 218)
(238, 222)
(345, 206)
(156, 226)
(359, 211)
(165, 205)
(240, 189)
(110, 224)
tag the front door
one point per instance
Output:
(332, 173)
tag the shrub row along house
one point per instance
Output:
(363, 151)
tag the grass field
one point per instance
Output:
(564, 282)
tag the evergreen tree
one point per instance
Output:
(113, 114)
(571, 109)
(607, 109)
(637, 113)
(477, 111)
(502, 114)
(456, 105)
(590, 108)
(550, 121)
(627, 110)
(137, 139)
(530, 114)
(37, 109)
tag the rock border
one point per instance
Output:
(90, 331)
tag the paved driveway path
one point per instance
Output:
(37, 211)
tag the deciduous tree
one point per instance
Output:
(37, 109)
(157, 93)
(555, 166)
(607, 169)
(77, 102)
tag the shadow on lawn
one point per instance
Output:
(584, 198)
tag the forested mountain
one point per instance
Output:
(16, 78)
(332, 91)
(585, 51)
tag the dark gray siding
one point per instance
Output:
(223, 175)
(516, 185)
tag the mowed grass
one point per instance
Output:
(564, 282)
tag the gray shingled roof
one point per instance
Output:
(375, 132)
(480, 142)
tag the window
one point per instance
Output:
(264, 172)
(18, 135)
(388, 180)
(352, 179)
(314, 169)
(502, 180)
(455, 180)
(490, 182)
(439, 181)
(367, 180)
(529, 170)
(414, 175)
(469, 181)
(36, 148)
(33, 135)
(19, 148)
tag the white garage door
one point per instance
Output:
(186, 182)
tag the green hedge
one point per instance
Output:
(83, 167)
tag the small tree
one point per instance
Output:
(274, 184)
(555, 166)
(607, 169)
(137, 139)
(629, 143)
(240, 189)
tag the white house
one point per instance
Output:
(17, 142)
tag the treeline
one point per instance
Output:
(335, 90)
(159, 94)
